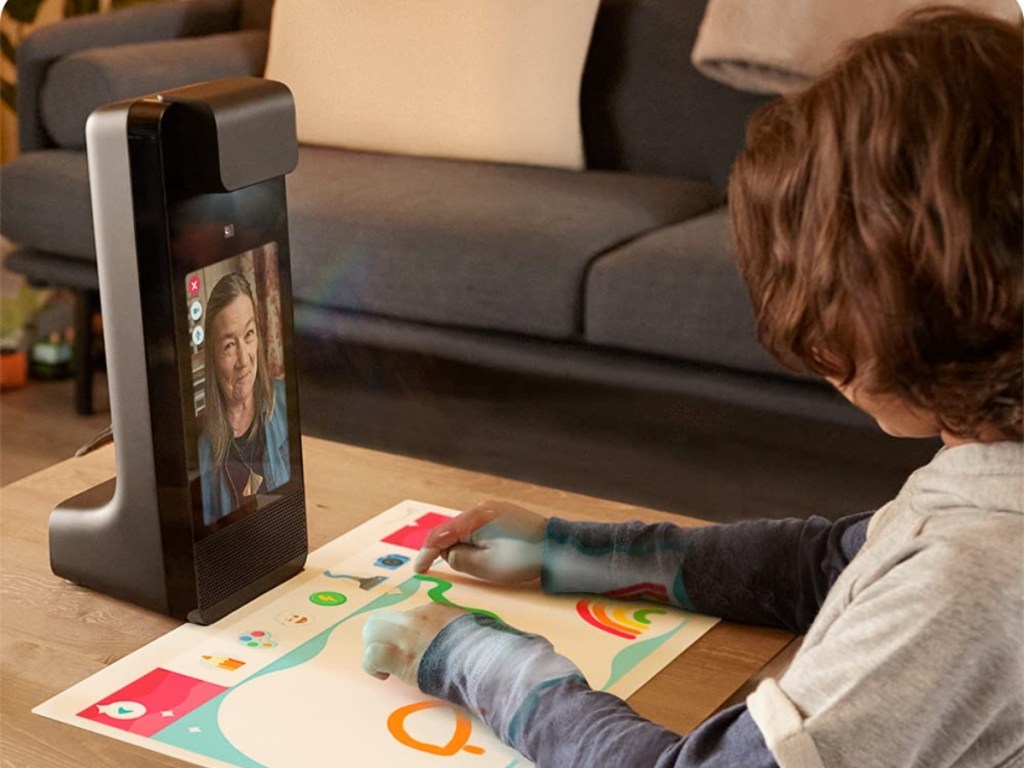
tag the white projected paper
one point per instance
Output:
(279, 683)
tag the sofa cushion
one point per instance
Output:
(142, 22)
(676, 292)
(496, 80)
(644, 105)
(476, 245)
(77, 84)
(45, 202)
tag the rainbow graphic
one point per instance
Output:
(620, 621)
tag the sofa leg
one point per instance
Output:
(86, 305)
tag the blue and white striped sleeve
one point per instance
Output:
(772, 572)
(767, 572)
(538, 702)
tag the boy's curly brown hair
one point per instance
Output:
(877, 219)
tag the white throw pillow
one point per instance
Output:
(494, 80)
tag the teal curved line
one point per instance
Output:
(312, 647)
(210, 741)
(629, 657)
(642, 615)
(436, 593)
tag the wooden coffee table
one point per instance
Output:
(54, 634)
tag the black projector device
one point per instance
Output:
(207, 509)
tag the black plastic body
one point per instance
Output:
(183, 194)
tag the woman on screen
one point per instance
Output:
(243, 445)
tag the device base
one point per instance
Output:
(91, 546)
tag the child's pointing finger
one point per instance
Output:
(459, 530)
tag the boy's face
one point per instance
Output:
(896, 417)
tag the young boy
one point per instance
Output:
(878, 226)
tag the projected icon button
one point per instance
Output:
(123, 710)
(258, 638)
(193, 286)
(198, 335)
(195, 310)
(327, 598)
(293, 619)
(391, 562)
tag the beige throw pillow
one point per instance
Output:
(494, 80)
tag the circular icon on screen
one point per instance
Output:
(391, 562)
(198, 335)
(293, 619)
(329, 599)
(195, 310)
(258, 638)
(194, 285)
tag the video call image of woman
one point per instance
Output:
(243, 445)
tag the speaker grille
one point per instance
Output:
(238, 555)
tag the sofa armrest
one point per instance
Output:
(138, 24)
(77, 84)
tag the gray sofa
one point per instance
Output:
(621, 273)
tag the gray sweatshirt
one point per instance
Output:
(914, 619)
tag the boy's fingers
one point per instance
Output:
(386, 628)
(375, 658)
(425, 558)
(442, 536)
(469, 559)
(460, 529)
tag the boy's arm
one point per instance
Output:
(538, 702)
(768, 572)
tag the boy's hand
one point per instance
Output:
(395, 641)
(493, 540)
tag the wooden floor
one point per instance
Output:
(38, 423)
(39, 426)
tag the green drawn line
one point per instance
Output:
(641, 616)
(436, 593)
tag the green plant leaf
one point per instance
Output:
(7, 48)
(8, 95)
(23, 11)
